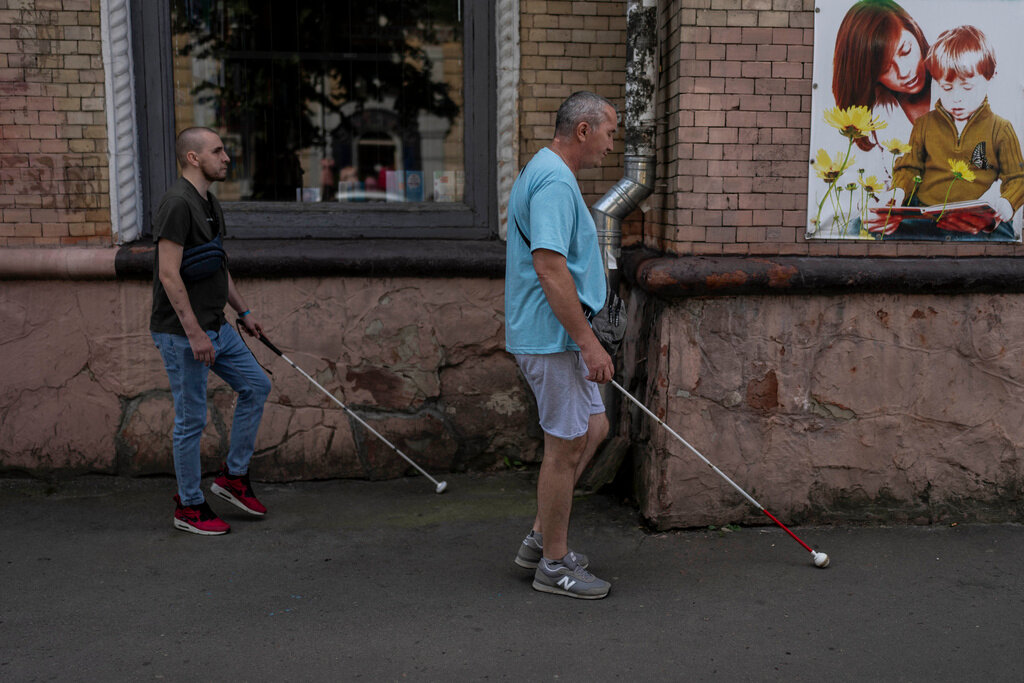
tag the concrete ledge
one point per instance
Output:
(271, 259)
(326, 258)
(68, 263)
(670, 277)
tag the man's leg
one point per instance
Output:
(560, 570)
(235, 365)
(187, 378)
(597, 430)
(554, 491)
(570, 412)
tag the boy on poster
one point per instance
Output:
(958, 152)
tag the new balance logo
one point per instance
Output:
(566, 583)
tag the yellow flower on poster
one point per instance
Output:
(853, 122)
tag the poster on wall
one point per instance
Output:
(917, 107)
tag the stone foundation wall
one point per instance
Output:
(891, 408)
(421, 360)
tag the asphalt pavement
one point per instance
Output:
(388, 581)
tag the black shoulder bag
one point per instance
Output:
(608, 324)
(203, 260)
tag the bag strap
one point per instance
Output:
(586, 311)
(521, 233)
(516, 220)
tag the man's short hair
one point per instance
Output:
(961, 52)
(190, 140)
(579, 107)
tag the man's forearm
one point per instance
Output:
(178, 297)
(235, 297)
(174, 287)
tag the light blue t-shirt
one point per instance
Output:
(547, 206)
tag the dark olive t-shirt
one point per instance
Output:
(185, 218)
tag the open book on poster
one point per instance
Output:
(972, 207)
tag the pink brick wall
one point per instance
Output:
(53, 148)
(734, 154)
(566, 47)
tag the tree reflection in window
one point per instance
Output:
(326, 100)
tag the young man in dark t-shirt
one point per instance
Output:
(190, 330)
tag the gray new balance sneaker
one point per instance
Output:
(569, 578)
(532, 549)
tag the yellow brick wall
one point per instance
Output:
(53, 134)
(566, 47)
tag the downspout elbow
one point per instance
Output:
(618, 202)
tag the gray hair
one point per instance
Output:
(582, 106)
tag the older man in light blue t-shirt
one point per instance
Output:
(554, 277)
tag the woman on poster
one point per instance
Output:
(879, 64)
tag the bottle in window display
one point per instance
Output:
(327, 180)
(444, 186)
(414, 186)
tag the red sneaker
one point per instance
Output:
(198, 519)
(238, 492)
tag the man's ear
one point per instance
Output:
(582, 128)
(192, 157)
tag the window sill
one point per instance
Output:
(333, 220)
(286, 258)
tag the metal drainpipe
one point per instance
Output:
(638, 182)
(641, 88)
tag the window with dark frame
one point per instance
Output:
(343, 119)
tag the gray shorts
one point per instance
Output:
(565, 397)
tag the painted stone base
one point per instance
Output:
(867, 407)
(422, 360)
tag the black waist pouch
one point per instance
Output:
(609, 324)
(203, 260)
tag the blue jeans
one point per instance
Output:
(234, 363)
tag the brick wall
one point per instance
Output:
(735, 154)
(734, 118)
(565, 47)
(53, 148)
